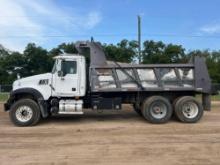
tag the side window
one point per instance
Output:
(69, 67)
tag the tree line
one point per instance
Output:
(36, 60)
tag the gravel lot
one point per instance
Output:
(111, 138)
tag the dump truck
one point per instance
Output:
(156, 91)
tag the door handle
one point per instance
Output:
(73, 89)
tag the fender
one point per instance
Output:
(38, 97)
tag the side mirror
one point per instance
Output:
(60, 73)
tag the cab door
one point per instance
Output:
(66, 78)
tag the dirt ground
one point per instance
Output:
(111, 138)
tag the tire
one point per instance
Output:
(157, 110)
(137, 110)
(188, 109)
(25, 112)
(175, 100)
(173, 105)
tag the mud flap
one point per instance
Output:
(43, 108)
(206, 102)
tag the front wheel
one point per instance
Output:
(25, 112)
(157, 110)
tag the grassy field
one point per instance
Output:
(216, 98)
(3, 97)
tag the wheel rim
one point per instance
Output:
(190, 110)
(158, 110)
(24, 113)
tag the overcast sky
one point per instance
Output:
(193, 23)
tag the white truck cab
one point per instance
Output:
(68, 78)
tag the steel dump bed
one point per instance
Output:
(115, 77)
(172, 77)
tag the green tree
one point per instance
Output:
(10, 66)
(68, 48)
(175, 54)
(158, 52)
(153, 52)
(124, 51)
(37, 60)
(63, 48)
(3, 52)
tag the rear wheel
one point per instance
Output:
(25, 112)
(188, 109)
(157, 110)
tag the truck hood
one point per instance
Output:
(28, 82)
